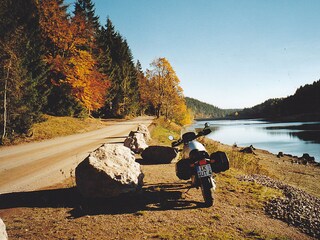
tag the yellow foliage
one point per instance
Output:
(88, 85)
(164, 92)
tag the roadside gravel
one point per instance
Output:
(298, 208)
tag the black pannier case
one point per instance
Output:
(221, 162)
(183, 169)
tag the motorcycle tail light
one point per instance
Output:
(202, 162)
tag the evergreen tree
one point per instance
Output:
(23, 90)
(115, 60)
(87, 8)
(303, 105)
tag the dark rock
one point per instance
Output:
(307, 158)
(249, 149)
(280, 154)
(158, 154)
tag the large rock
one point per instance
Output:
(109, 171)
(136, 142)
(159, 154)
(144, 129)
(3, 232)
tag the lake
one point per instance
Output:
(293, 138)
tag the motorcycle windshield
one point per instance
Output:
(195, 127)
(188, 128)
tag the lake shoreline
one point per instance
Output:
(293, 118)
(296, 139)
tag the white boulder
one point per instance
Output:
(3, 232)
(136, 142)
(144, 129)
(109, 171)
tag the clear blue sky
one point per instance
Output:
(229, 53)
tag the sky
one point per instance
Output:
(228, 53)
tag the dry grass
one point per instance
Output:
(161, 129)
(53, 127)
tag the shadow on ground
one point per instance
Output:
(159, 197)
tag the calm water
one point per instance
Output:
(293, 138)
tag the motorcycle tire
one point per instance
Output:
(206, 187)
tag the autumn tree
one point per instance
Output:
(143, 89)
(165, 93)
(76, 81)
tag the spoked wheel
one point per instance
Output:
(206, 192)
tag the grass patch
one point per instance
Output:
(161, 130)
(247, 163)
(256, 194)
(53, 127)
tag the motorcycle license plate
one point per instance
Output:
(204, 171)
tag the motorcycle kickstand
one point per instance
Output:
(186, 193)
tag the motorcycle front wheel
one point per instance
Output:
(206, 187)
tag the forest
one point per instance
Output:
(303, 105)
(62, 63)
(204, 110)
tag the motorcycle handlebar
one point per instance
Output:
(176, 143)
(204, 132)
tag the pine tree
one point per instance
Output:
(117, 62)
(87, 8)
(22, 69)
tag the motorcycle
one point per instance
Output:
(198, 165)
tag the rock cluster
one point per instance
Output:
(298, 208)
(3, 232)
(305, 159)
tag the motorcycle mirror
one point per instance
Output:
(206, 131)
(171, 138)
(206, 125)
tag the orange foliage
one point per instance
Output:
(69, 62)
(88, 85)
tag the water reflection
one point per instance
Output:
(293, 138)
(313, 137)
(306, 132)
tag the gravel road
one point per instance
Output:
(32, 166)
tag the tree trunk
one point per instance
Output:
(5, 102)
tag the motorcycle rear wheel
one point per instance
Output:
(206, 192)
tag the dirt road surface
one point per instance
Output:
(37, 165)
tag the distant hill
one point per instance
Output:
(303, 105)
(205, 110)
